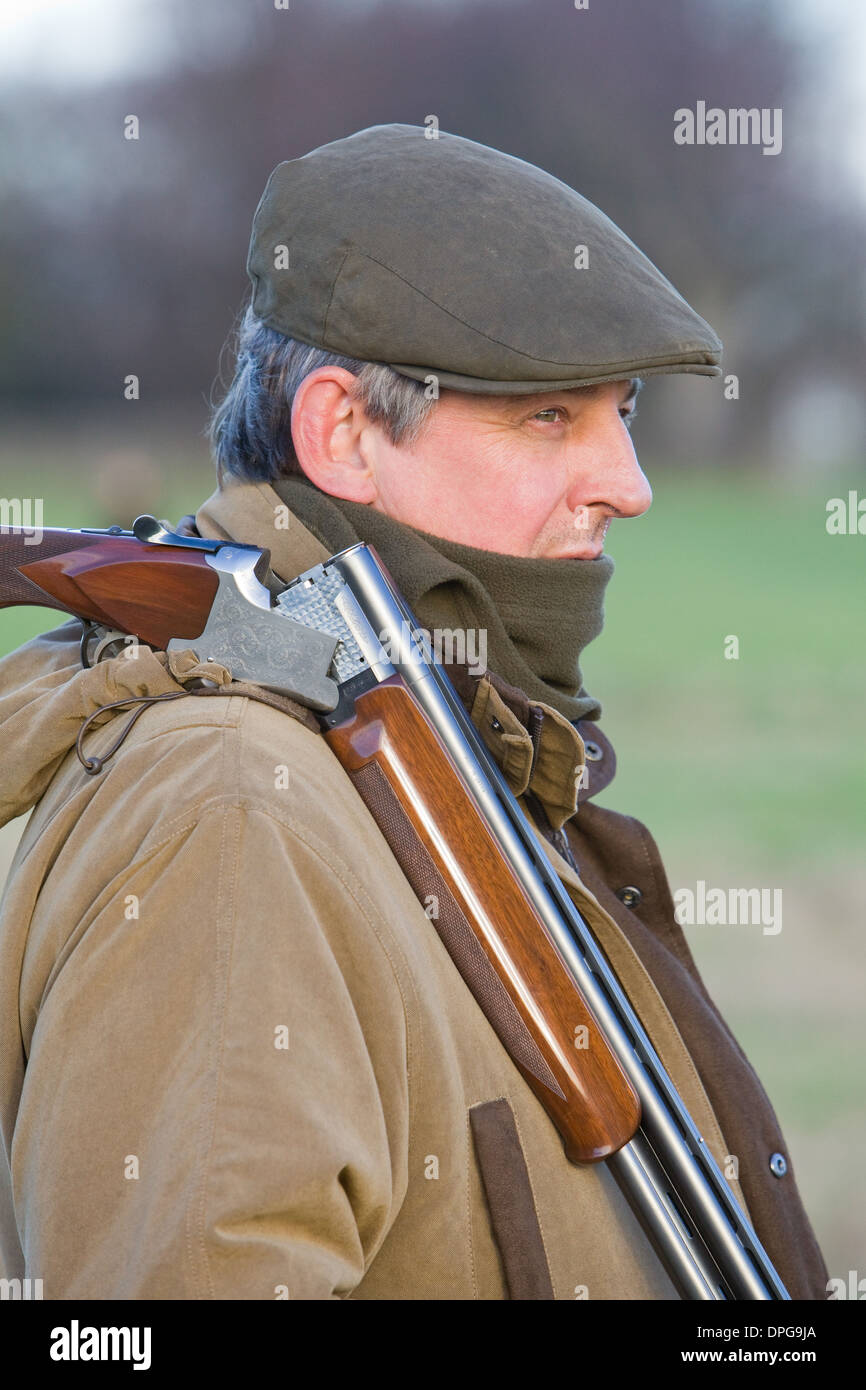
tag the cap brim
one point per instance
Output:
(701, 365)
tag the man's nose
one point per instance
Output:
(607, 473)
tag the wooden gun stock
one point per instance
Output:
(116, 580)
(405, 776)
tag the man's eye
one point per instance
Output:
(551, 413)
(628, 417)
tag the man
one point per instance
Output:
(236, 1060)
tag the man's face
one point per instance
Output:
(539, 476)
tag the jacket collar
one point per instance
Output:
(537, 748)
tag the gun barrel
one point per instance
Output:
(667, 1172)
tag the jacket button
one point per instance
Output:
(630, 896)
(778, 1165)
(593, 751)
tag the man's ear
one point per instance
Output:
(328, 434)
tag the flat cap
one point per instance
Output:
(445, 257)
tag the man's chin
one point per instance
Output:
(574, 552)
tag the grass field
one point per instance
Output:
(750, 772)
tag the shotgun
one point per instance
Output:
(340, 639)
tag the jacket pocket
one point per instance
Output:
(513, 1216)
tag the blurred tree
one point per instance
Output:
(124, 256)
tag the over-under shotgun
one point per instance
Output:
(341, 639)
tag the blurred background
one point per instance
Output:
(123, 257)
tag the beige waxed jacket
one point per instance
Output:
(236, 1060)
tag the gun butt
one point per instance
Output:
(112, 579)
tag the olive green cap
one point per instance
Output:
(444, 257)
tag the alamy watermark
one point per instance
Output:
(846, 517)
(463, 646)
(738, 125)
(22, 514)
(853, 1287)
(77, 1343)
(735, 907)
(20, 1289)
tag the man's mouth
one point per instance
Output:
(589, 543)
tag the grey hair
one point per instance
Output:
(250, 429)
